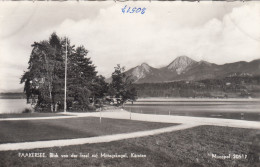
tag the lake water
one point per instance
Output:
(13, 105)
(245, 110)
(242, 110)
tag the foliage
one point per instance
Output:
(216, 88)
(44, 79)
(121, 86)
(27, 110)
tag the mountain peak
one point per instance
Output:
(180, 64)
(145, 66)
(182, 57)
(141, 71)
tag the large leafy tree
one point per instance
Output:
(121, 86)
(40, 77)
(44, 79)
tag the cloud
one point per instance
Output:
(157, 37)
(214, 31)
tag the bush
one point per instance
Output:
(27, 110)
(91, 108)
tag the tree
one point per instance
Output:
(81, 75)
(44, 79)
(40, 76)
(121, 86)
(99, 89)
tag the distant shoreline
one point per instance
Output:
(165, 99)
(150, 99)
(12, 95)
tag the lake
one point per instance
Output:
(245, 110)
(237, 109)
(13, 105)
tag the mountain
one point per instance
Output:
(142, 71)
(185, 68)
(145, 73)
(180, 64)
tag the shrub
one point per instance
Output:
(27, 110)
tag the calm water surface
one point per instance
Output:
(13, 105)
(242, 110)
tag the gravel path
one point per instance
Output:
(122, 114)
(90, 140)
(186, 122)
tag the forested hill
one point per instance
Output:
(228, 87)
(10, 95)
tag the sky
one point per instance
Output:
(218, 32)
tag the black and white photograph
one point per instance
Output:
(130, 83)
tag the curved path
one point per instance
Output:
(186, 122)
(89, 140)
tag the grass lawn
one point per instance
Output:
(69, 128)
(190, 147)
(24, 115)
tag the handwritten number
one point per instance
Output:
(134, 10)
(138, 10)
(123, 9)
(143, 11)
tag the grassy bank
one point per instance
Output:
(34, 130)
(191, 147)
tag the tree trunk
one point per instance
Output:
(56, 107)
(51, 107)
(51, 99)
(50, 81)
(93, 98)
